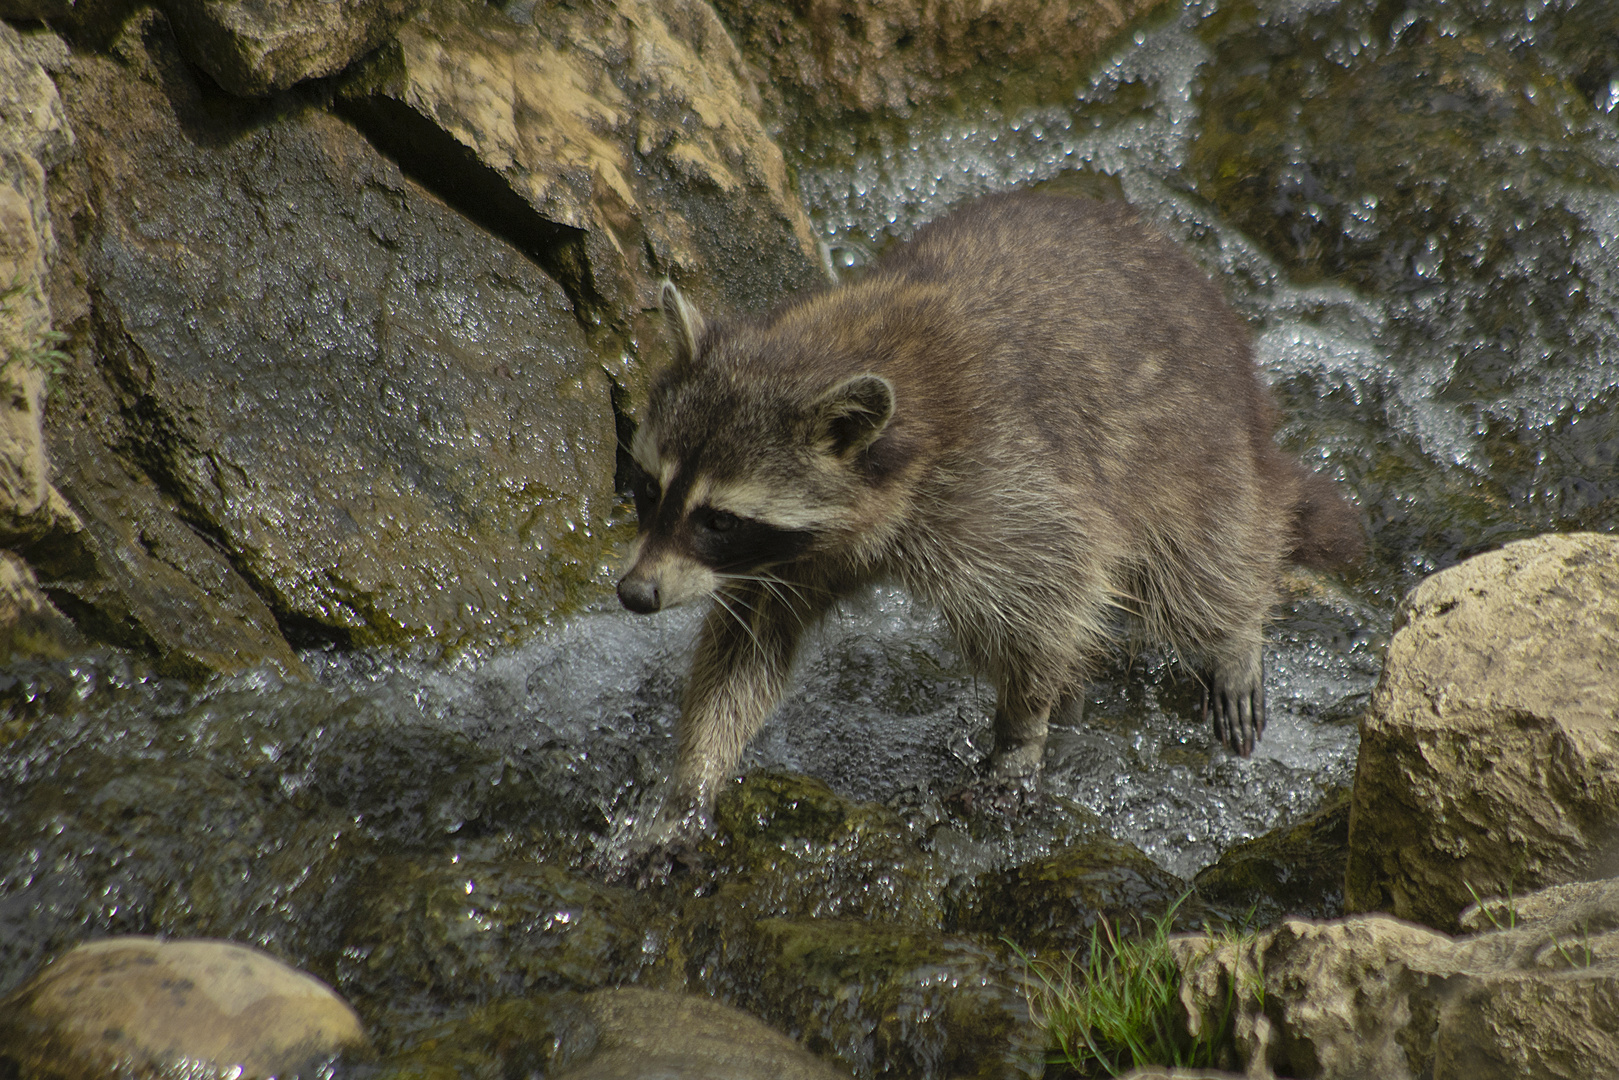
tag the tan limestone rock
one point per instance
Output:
(260, 47)
(30, 625)
(1374, 996)
(630, 128)
(34, 134)
(142, 1005)
(1489, 761)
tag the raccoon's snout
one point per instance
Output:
(639, 594)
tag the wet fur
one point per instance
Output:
(1034, 415)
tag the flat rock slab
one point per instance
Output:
(1489, 762)
(142, 1004)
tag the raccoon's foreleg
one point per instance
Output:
(1234, 698)
(744, 656)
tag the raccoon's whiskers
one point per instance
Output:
(725, 601)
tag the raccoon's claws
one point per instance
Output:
(1238, 714)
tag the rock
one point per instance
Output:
(30, 625)
(142, 1004)
(1490, 170)
(1375, 996)
(645, 1033)
(34, 136)
(865, 55)
(632, 1033)
(386, 420)
(473, 924)
(1050, 906)
(787, 846)
(1297, 870)
(1489, 762)
(623, 139)
(870, 995)
(256, 48)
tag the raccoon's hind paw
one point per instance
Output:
(1238, 712)
(996, 791)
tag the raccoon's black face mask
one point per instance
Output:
(740, 467)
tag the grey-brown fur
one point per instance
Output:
(1035, 414)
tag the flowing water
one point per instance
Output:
(1464, 395)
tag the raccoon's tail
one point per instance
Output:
(1327, 531)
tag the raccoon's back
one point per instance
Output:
(1086, 338)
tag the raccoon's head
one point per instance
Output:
(744, 464)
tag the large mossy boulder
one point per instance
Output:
(1297, 870)
(145, 1007)
(388, 422)
(1052, 906)
(1489, 761)
(474, 924)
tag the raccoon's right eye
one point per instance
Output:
(645, 490)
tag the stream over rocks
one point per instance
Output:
(408, 774)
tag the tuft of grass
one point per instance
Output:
(1509, 906)
(40, 351)
(1120, 1008)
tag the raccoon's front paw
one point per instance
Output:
(658, 849)
(1238, 711)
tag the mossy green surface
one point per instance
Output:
(1297, 870)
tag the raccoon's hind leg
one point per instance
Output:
(1020, 741)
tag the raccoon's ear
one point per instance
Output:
(851, 416)
(686, 322)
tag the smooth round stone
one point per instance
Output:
(650, 1035)
(140, 1005)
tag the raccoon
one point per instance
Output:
(1035, 414)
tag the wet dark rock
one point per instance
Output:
(1468, 203)
(476, 922)
(197, 825)
(1051, 905)
(142, 1006)
(873, 997)
(866, 55)
(384, 420)
(256, 48)
(1293, 871)
(790, 847)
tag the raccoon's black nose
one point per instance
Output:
(639, 595)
